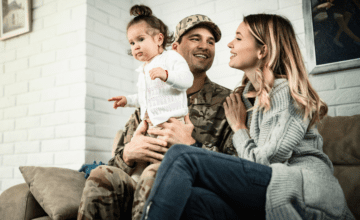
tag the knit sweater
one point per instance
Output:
(302, 185)
(163, 100)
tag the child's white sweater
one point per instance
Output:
(163, 100)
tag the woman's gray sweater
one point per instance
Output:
(302, 185)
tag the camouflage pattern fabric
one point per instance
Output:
(143, 189)
(207, 114)
(140, 167)
(193, 20)
(150, 124)
(108, 194)
(210, 128)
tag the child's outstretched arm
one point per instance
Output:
(125, 101)
(119, 101)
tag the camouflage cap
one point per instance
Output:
(193, 20)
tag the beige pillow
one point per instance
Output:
(58, 190)
(341, 139)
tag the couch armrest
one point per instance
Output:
(17, 203)
(349, 179)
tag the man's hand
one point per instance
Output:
(144, 149)
(235, 112)
(175, 132)
(158, 72)
(120, 101)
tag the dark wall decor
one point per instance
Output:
(332, 33)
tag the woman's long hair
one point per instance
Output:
(283, 60)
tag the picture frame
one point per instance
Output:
(325, 52)
(15, 18)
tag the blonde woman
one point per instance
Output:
(281, 171)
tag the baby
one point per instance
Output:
(164, 76)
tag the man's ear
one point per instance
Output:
(175, 46)
(263, 52)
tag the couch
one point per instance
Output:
(341, 136)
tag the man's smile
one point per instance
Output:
(201, 55)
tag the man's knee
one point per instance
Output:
(109, 177)
(98, 172)
(102, 176)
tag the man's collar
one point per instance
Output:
(205, 94)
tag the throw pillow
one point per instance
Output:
(341, 139)
(58, 190)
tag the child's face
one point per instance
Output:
(143, 46)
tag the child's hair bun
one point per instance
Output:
(140, 10)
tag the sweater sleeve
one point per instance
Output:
(280, 132)
(179, 74)
(132, 101)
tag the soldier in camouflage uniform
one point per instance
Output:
(110, 192)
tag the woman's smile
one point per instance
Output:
(244, 50)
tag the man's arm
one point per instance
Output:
(134, 146)
(130, 128)
(175, 132)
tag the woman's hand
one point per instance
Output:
(235, 112)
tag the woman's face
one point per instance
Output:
(245, 52)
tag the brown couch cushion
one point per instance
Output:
(349, 179)
(18, 203)
(58, 190)
(341, 136)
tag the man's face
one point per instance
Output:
(198, 48)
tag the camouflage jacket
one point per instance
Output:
(206, 113)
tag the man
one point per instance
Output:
(109, 191)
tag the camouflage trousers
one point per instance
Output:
(110, 193)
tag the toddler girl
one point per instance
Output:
(164, 76)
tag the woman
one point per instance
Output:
(281, 172)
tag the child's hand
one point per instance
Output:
(120, 101)
(158, 72)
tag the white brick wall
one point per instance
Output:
(109, 73)
(55, 80)
(42, 85)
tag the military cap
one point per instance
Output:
(193, 20)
